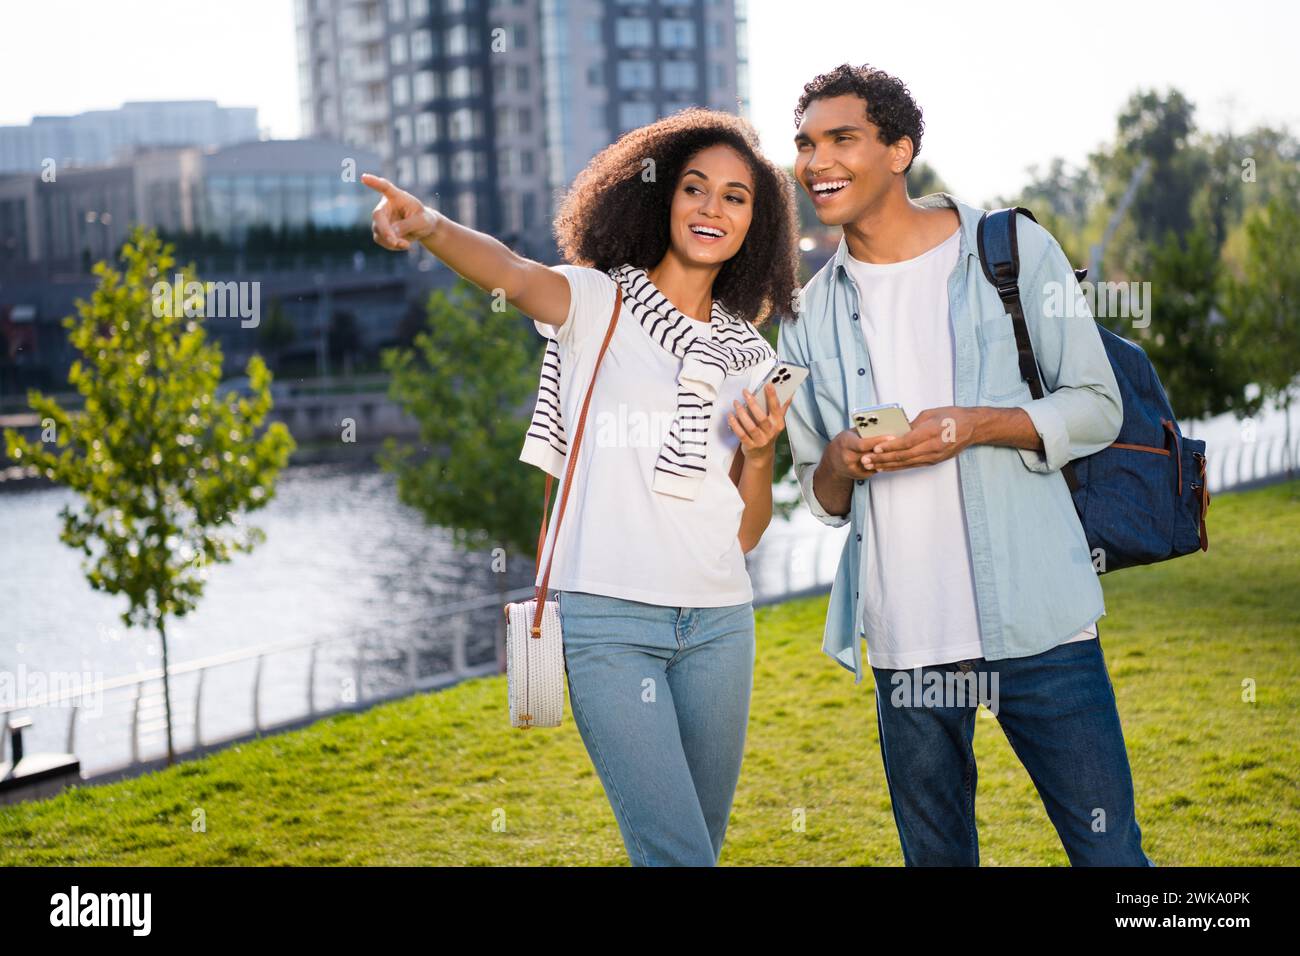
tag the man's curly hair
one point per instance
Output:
(612, 215)
(889, 103)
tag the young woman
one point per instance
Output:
(695, 230)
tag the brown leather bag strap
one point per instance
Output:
(574, 446)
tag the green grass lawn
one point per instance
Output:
(432, 779)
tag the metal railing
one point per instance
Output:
(142, 692)
(1247, 462)
(801, 569)
(787, 566)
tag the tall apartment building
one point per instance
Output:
(100, 137)
(489, 108)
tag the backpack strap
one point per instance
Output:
(995, 237)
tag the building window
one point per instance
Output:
(632, 115)
(426, 129)
(404, 174)
(463, 167)
(397, 48)
(401, 90)
(397, 10)
(421, 45)
(428, 169)
(419, 8)
(465, 209)
(679, 75)
(426, 87)
(462, 81)
(677, 34)
(526, 162)
(402, 127)
(629, 32)
(458, 40)
(523, 79)
(519, 36)
(636, 74)
(464, 124)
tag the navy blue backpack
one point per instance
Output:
(1143, 498)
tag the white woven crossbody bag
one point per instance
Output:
(534, 643)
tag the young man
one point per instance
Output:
(966, 563)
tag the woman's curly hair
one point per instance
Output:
(612, 215)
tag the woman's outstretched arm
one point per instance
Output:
(533, 288)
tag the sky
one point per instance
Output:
(1062, 72)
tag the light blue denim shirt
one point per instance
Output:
(1035, 584)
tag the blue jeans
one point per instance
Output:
(660, 696)
(1058, 711)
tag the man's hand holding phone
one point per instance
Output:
(937, 434)
(846, 452)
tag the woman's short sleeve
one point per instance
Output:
(591, 303)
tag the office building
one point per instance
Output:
(489, 108)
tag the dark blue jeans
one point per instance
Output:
(1058, 711)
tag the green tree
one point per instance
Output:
(1160, 128)
(1263, 303)
(922, 180)
(1063, 199)
(276, 332)
(344, 338)
(1187, 340)
(470, 383)
(163, 466)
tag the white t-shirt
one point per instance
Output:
(919, 606)
(620, 538)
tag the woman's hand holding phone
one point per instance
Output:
(754, 426)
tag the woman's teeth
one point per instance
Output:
(708, 232)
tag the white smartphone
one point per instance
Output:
(880, 420)
(787, 378)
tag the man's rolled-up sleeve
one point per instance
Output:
(807, 441)
(1081, 410)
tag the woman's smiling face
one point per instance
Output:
(713, 206)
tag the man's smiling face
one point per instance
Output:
(842, 164)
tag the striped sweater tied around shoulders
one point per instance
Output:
(729, 346)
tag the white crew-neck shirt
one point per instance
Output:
(919, 586)
(619, 537)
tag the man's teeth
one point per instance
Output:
(830, 185)
(707, 231)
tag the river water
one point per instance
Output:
(343, 561)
